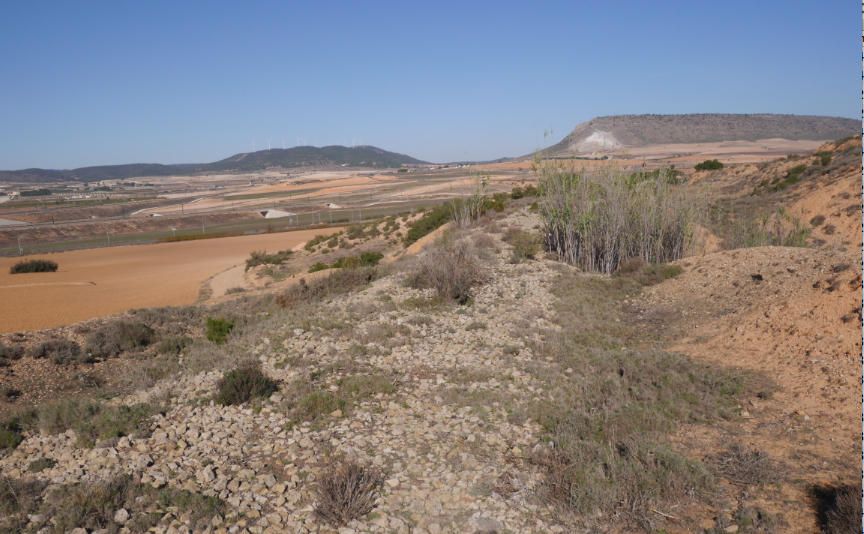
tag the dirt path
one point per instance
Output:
(96, 282)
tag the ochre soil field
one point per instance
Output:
(96, 282)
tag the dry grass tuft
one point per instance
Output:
(347, 491)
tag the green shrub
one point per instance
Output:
(61, 351)
(33, 266)
(824, 158)
(41, 464)
(709, 165)
(261, 257)
(244, 384)
(318, 266)
(318, 404)
(647, 274)
(525, 245)
(365, 259)
(116, 337)
(318, 239)
(521, 192)
(792, 176)
(431, 220)
(218, 329)
(11, 433)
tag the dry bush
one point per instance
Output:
(595, 220)
(336, 283)
(745, 466)
(18, 499)
(450, 267)
(347, 491)
(116, 337)
(60, 351)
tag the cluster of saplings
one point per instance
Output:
(34, 266)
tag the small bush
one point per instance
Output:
(647, 274)
(119, 336)
(92, 505)
(362, 386)
(337, 282)
(347, 491)
(61, 351)
(10, 433)
(41, 464)
(94, 422)
(318, 266)
(778, 229)
(792, 176)
(839, 508)
(317, 404)
(824, 158)
(745, 466)
(11, 352)
(244, 384)
(709, 165)
(18, 500)
(262, 258)
(218, 329)
(525, 245)
(33, 266)
(173, 346)
(318, 239)
(430, 221)
(521, 192)
(451, 268)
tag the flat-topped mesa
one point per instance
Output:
(625, 131)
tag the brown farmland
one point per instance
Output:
(96, 282)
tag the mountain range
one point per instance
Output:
(300, 156)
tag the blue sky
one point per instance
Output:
(98, 82)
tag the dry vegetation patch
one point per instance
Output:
(347, 491)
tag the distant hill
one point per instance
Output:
(300, 156)
(622, 131)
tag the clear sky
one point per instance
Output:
(101, 82)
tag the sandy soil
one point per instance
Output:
(96, 282)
